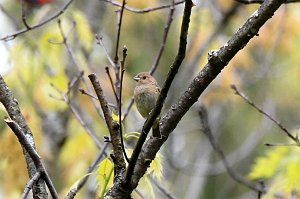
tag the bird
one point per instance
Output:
(145, 94)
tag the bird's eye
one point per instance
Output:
(144, 77)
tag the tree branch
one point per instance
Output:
(233, 174)
(33, 154)
(161, 99)
(28, 28)
(30, 184)
(164, 40)
(120, 101)
(14, 112)
(141, 11)
(251, 103)
(160, 51)
(216, 62)
(112, 125)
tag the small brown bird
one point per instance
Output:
(146, 93)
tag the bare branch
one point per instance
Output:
(78, 66)
(251, 103)
(217, 61)
(146, 10)
(100, 42)
(164, 40)
(129, 107)
(14, 112)
(16, 34)
(24, 15)
(113, 126)
(75, 112)
(160, 51)
(205, 127)
(120, 101)
(160, 101)
(33, 154)
(30, 184)
(112, 83)
(116, 58)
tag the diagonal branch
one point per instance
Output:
(205, 128)
(112, 125)
(145, 10)
(160, 51)
(161, 99)
(217, 60)
(33, 154)
(14, 112)
(28, 28)
(251, 103)
(164, 39)
(30, 184)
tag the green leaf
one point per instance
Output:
(105, 176)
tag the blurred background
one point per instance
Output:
(38, 68)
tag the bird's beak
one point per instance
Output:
(136, 78)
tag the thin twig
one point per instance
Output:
(112, 83)
(116, 58)
(160, 51)
(16, 34)
(84, 92)
(24, 15)
(218, 59)
(222, 24)
(120, 101)
(76, 63)
(161, 98)
(260, 193)
(30, 184)
(251, 103)
(33, 154)
(12, 107)
(145, 10)
(233, 174)
(67, 100)
(113, 126)
(129, 107)
(100, 42)
(164, 39)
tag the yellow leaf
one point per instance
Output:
(266, 167)
(146, 187)
(293, 175)
(156, 167)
